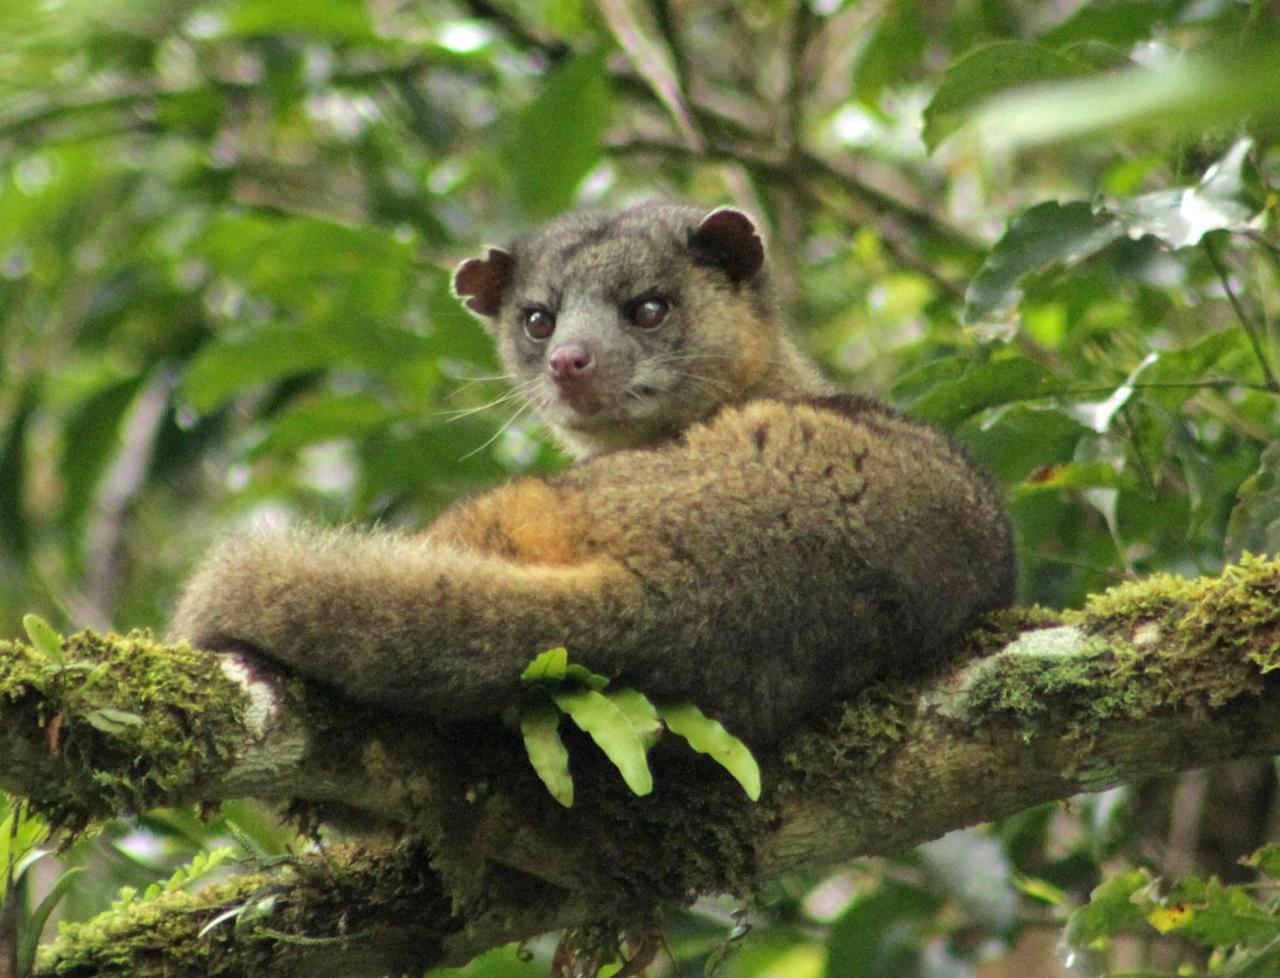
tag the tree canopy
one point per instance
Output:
(227, 230)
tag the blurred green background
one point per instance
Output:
(226, 235)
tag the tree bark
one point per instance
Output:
(1156, 676)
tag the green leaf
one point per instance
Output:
(985, 385)
(708, 736)
(324, 418)
(1042, 236)
(1265, 860)
(540, 727)
(987, 71)
(112, 721)
(1072, 475)
(34, 923)
(582, 674)
(546, 667)
(1213, 915)
(91, 442)
(1221, 201)
(45, 640)
(226, 367)
(557, 139)
(333, 20)
(642, 713)
(1254, 524)
(13, 477)
(1110, 910)
(882, 933)
(613, 733)
(1187, 95)
(1118, 22)
(1015, 441)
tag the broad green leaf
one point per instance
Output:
(13, 477)
(1221, 201)
(33, 924)
(334, 20)
(226, 367)
(1254, 525)
(985, 72)
(1213, 915)
(91, 442)
(539, 725)
(324, 418)
(1265, 860)
(613, 733)
(1042, 236)
(1110, 910)
(43, 637)
(557, 139)
(1189, 94)
(708, 736)
(882, 933)
(546, 667)
(1016, 441)
(1118, 22)
(985, 385)
(642, 713)
(897, 40)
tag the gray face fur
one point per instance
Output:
(638, 293)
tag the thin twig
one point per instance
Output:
(794, 96)
(1250, 328)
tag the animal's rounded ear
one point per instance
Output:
(727, 239)
(481, 282)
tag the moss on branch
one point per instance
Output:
(1151, 676)
(120, 723)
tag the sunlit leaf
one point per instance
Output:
(1110, 910)
(1221, 201)
(708, 736)
(642, 713)
(1193, 93)
(613, 733)
(546, 667)
(45, 640)
(539, 725)
(985, 72)
(985, 385)
(1042, 236)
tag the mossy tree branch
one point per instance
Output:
(1160, 675)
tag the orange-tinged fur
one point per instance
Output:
(738, 536)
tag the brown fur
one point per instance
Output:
(759, 555)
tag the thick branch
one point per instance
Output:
(1157, 676)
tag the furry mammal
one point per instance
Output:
(739, 535)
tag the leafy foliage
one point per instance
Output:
(624, 724)
(226, 230)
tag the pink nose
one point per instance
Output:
(571, 363)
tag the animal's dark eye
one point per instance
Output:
(648, 312)
(539, 323)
